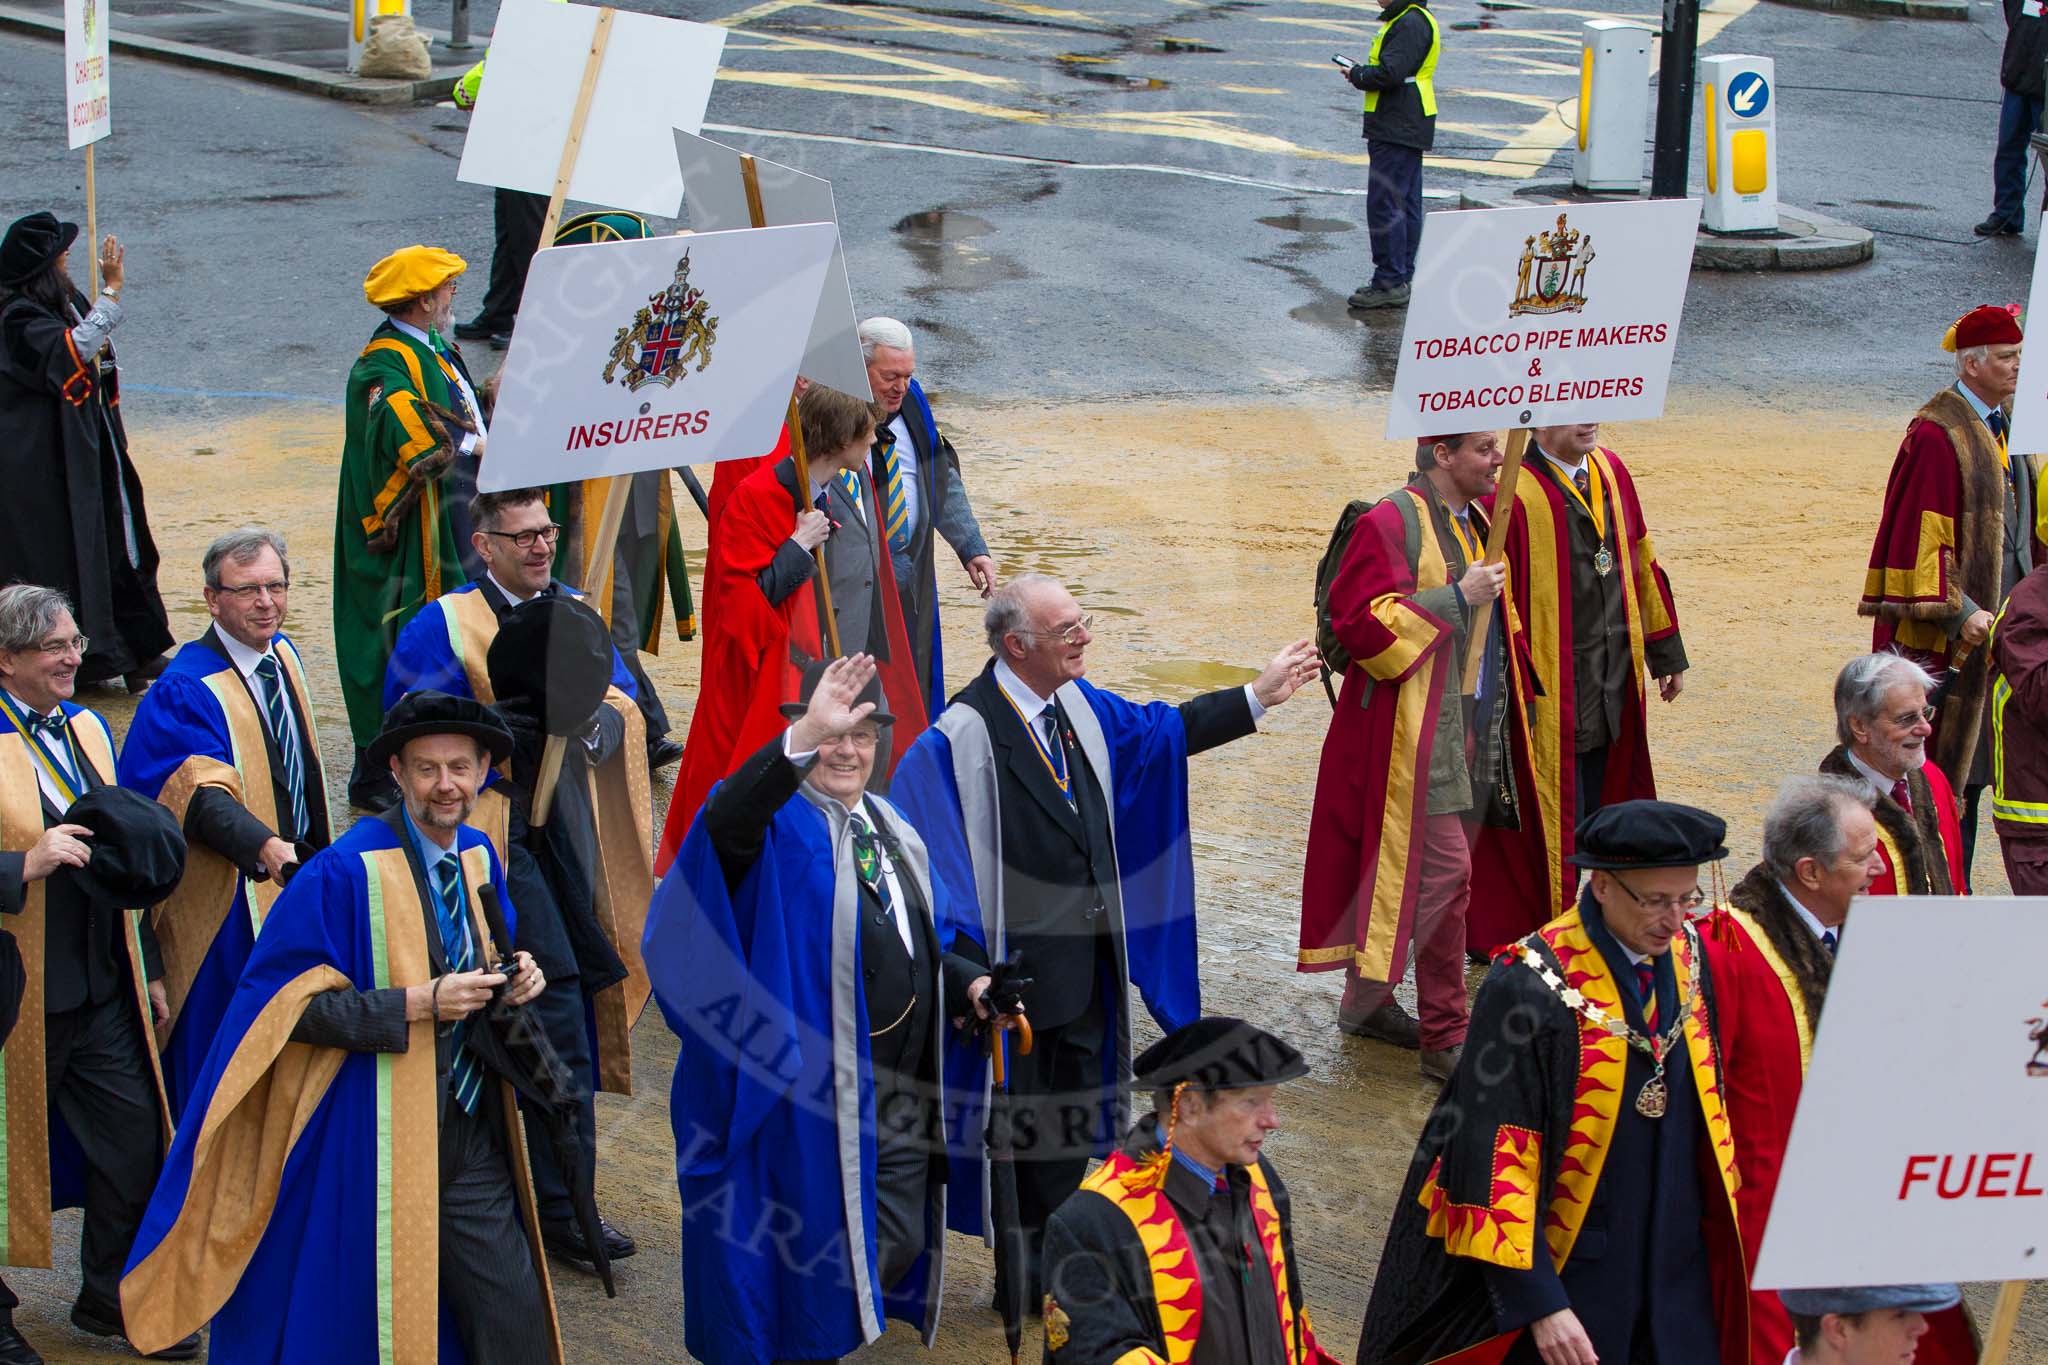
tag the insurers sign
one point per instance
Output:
(1544, 315)
(87, 118)
(1920, 1148)
(654, 353)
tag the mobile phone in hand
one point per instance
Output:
(1343, 61)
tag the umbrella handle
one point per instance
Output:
(1016, 1023)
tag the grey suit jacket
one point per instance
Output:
(853, 561)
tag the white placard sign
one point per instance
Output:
(654, 353)
(717, 197)
(87, 117)
(1920, 1149)
(656, 76)
(2029, 434)
(1544, 315)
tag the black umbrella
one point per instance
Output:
(1006, 1221)
(516, 1047)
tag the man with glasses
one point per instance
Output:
(77, 1078)
(1884, 721)
(413, 440)
(1058, 815)
(1558, 1194)
(226, 741)
(799, 941)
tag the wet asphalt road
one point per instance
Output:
(1090, 207)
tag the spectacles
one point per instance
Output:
(1072, 634)
(1658, 905)
(525, 539)
(1906, 720)
(57, 649)
(866, 737)
(248, 592)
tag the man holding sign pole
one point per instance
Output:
(1587, 588)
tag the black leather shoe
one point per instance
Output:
(565, 1243)
(476, 329)
(1388, 1024)
(104, 1323)
(14, 1347)
(1994, 226)
(663, 752)
(617, 1244)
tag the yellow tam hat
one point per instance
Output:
(409, 272)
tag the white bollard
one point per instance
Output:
(1614, 106)
(1742, 143)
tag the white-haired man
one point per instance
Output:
(1883, 720)
(1959, 528)
(917, 478)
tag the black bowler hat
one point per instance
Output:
(138, 850)
(1218, 1053)
(1646, 834)
(814, 672)
(417, 715)
(32, 244)
(551, 660)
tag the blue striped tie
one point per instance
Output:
(286, 734)
(465, 1079)
(896, 507)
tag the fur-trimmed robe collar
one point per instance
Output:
(1916, 834)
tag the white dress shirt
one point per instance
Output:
(48, 784)
(515, 598)
(1879, 783)
(1806, 917)
(242, 657)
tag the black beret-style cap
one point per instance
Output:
(417, 715)
(138, 849)
(1646, 834)
(32, 244)
(1907, 1298)
(551, 659)
(1218, 1053)
(814, 673)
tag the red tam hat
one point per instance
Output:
(1986, 325)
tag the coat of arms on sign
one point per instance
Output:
(1551, 277)
(674, 328)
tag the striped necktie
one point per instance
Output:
(896, 509)
(278, 714)
(1646, 984)
(1828, 940)
(465, 1078)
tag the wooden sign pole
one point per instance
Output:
(1496, 543)
(751, 179)
(2004, 1319)
(600, 549)
(92, 227)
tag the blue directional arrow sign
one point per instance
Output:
(1749, 95)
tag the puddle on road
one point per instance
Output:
(1118, 79)
(943, 241)
(1301, 222)
(1196, 675)
(1185, 45)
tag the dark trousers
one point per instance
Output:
(2026, 868)
(1592, 779)
(626, 636)
(488, 1283)
(1973, 798)
(560, 1008)
(905, 1128)
(2018, 117)
(1393, 210)
(518, 217)
(99, 1080)
(1056, 1099)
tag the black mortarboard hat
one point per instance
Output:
(1218, 1053)
(1645, 834)
(31, 244)
(416, 715)
(1907, 1298)
(552, 660)
(138, 850)
(815, 671)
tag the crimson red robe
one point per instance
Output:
(1951, 841)
(754, 650)
(726, 477)
(1520, 879)
(1766, 1041)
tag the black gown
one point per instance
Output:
(72, 518)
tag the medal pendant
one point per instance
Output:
(1603, 562)
(1650, 1099)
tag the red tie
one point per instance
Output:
(1646, 983)
(1901, 795)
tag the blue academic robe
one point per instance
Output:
(326, 1282)
(773, 1097)
(181, 718)
(429, 654)
(946, 784)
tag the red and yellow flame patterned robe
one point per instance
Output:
(1517, 1172)
(1123, 1286)
(1520, 877)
